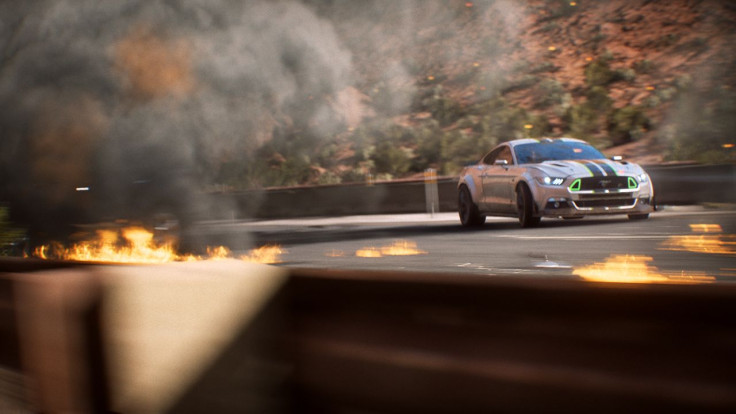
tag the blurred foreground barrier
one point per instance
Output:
(692, 184)
(678, 184)
(231, 337)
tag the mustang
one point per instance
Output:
(564, 177)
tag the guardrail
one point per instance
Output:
(678, 184)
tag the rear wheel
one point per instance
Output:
(525, 206)
(469, 214)
(638, 216)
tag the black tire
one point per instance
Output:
(638, 216)
(525, 207)
(468, 211)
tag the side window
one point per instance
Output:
(506, 155)
(503, 153)
(491, 157)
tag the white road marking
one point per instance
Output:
(599, 237)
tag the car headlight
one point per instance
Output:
(642, 178)
(556, 181)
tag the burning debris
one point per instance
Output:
(268, 254)
(701, 243)
(397, 248)
(138, 245)
(704, 241)
(634, 269)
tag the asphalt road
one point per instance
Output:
(675, 244)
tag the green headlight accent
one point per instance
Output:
(632, 183)
(575, 186)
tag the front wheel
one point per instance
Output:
(638, 216)
(469, 214)
(525, 206)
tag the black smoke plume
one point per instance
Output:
(120, 109)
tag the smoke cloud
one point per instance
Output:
(137, 100)
(142, 101)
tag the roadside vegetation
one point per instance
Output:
(566, 75)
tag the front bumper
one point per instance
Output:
(562, 202)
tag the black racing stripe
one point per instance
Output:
(593, 168)
(606, 168)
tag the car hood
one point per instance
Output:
(586, 168)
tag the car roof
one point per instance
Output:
(516, 142)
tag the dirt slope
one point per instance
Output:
(652, 50)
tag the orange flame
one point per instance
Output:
(634, 269)
(265, 254)
(368, 252)
(218, 253)
(397, 248)
(702, 243)
(137, 245)
(706, 228)
(723, 244)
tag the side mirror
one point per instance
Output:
(501, 162)
(617, 158)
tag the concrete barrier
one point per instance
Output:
(680, 184)
(122, 339)
(693, 184)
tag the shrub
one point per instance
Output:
(550, 93)
(443, 108)
(627, 124)
(525, 82)
(458, 149)
(544, 67)
(627, 75)
(354, 175)
(598, 99)
(429, 147)
(559, 9)
(598, 73)
(329, 178)
(644, 66)
(390, 159)
(582, 120)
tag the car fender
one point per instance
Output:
(528, 179)
(469, 181)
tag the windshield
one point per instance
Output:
(556, 150)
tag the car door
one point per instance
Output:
(498, 179)
(505, 189)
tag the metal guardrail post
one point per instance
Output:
(431, 193)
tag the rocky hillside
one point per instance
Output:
(231, 95)
(436, 83)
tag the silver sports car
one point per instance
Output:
(564, 177)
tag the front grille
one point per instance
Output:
(612, 201)
(604, 183)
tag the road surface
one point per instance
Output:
(677, 244)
